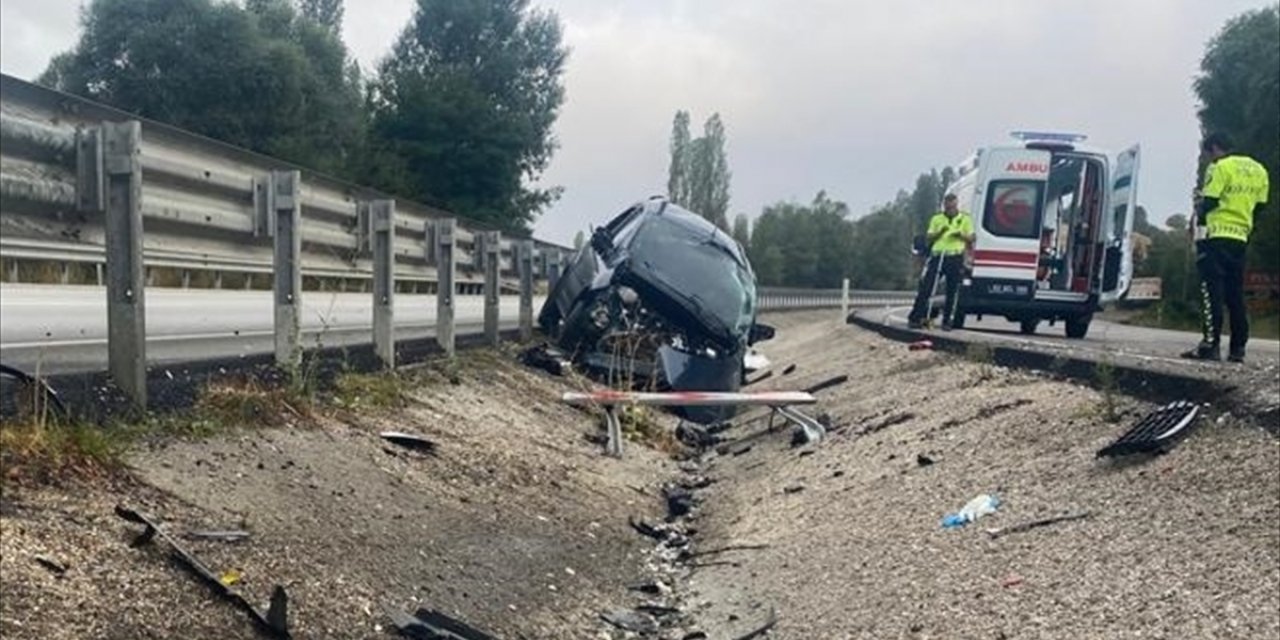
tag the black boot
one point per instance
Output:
(1204, 351)
(1236, 355)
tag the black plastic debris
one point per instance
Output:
(827, 384)
(679, 501)
(923, 460)
(631, 620)
(790, 369)
(274, 621)
(429, 624)
(546, 358)
(1158, 432)
(410, 441)
(54, 567)
(694, 435)
(27, 388)
(764, 376)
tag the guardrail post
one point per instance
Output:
(524, 255)
(287, 266)
(844, 299)
(126, 299)
(382, 231)
(553, 270)
(446, 265)
(492, 258)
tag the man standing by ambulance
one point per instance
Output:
(1235, 190)
(950, 232)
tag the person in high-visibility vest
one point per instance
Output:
(1234, 192)
(950, 232)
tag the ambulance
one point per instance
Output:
(1053, 226)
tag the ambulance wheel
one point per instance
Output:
(1078, 326)
(1028, 325)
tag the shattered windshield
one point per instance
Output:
(702, 267)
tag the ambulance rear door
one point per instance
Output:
(1117, 226)
(1008, 224)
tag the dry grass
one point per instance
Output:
(361, 391)
(35, 452)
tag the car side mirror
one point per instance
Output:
(760, 333)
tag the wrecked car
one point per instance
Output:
(660, 299)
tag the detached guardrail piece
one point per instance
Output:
(429, 624)
(274, 621)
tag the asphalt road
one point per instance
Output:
(1104, 338)
(63, 329)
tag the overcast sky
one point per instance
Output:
(854, 97)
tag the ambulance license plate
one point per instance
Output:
(1009, 289)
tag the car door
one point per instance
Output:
(1117, 228)
(1008, 225)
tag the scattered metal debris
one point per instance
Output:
(410, 441)
(233, 535)
(923, 460)
(809, 430)
(1157, 432)
(55, 567)
(657, 610)
(791, 368)
(1027, 526)
(274, 621)
(680, 501)
(429, 624)
(764, 376)
(762, 629)
(631, 620)
(827, 384)
(795, 488)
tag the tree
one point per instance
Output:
(802, 245)
(678, 169)
(327, 13)
(742, 230)
(463, 108)
(698, 176)
(1239, 90)
(259, 77)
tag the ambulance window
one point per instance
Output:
(1013, 208)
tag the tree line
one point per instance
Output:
(458, 115)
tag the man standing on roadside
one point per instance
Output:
(1234, 192)
(950, 232)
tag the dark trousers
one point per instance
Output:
(949, 267)
(1221, 265)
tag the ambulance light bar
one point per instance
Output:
(1048, 136)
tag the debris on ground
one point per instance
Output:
(546, 358)
(631, 620)
(1157, 432)
(895, 419)
(273, 621)
(827, 384)
(920, 345)
(410, 441)
(923, 460)
(976, 508)
(429, 624)
(791, 368)
(1044, 522)
(230, 535)
(1011, 580)
(769, 623)
(54, 566)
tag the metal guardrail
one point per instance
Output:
(80, 181)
